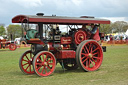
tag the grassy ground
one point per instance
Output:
(113, 71)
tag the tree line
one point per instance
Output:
(16, 30)
(12, 30)
(116, 27)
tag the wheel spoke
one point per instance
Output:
(95, 53)
(49, 68)
(25, 64)
(50, 63)
(90, 45)
(49, 60)
(84, 50)
(92, 63)
(89, 62)
(91, 48)
(87, 49)
(95, 49)
(38, 67)
(27, 57)
(85, 59)
(43, 57)
(27, 67)
(86, 63)
(43, 69)
(39, 60)
(93, 60)
(30, 68)
(39, 63)
(96, 57)
(24, 60)
(84, 54)
(46, 57)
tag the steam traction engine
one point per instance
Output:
(7, 44)
(76, 48)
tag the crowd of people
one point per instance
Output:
(118, 39)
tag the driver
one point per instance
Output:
(95, 32)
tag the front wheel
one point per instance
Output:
(44, 63)
(25, 62)
(89, 55)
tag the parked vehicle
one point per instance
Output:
(77, 48)
(7, 44)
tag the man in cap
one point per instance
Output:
(95, 32)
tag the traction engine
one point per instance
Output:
(49, 46)
(7, 44)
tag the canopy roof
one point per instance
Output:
(57, 20)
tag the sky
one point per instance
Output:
(114, 10)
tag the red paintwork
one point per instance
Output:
(3, 41)
(35, 41)
(57, 46)
(64, 54)
(51, 48)
(66, 40)
(58, 20)
(80, 36)
(96, 36)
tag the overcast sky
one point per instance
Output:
(115, 10)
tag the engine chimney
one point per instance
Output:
(40, 14)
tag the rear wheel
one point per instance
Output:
(44, 63)
(25, 62)
(89, 55)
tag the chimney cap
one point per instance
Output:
(40, 14)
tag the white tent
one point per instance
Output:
(126, 32)
(1, 37)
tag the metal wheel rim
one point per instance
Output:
(90, 55)
(44, 63)
(25, 62)
(12, 47)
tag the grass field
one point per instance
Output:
(113, 71)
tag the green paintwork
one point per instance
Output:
(31, 34)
